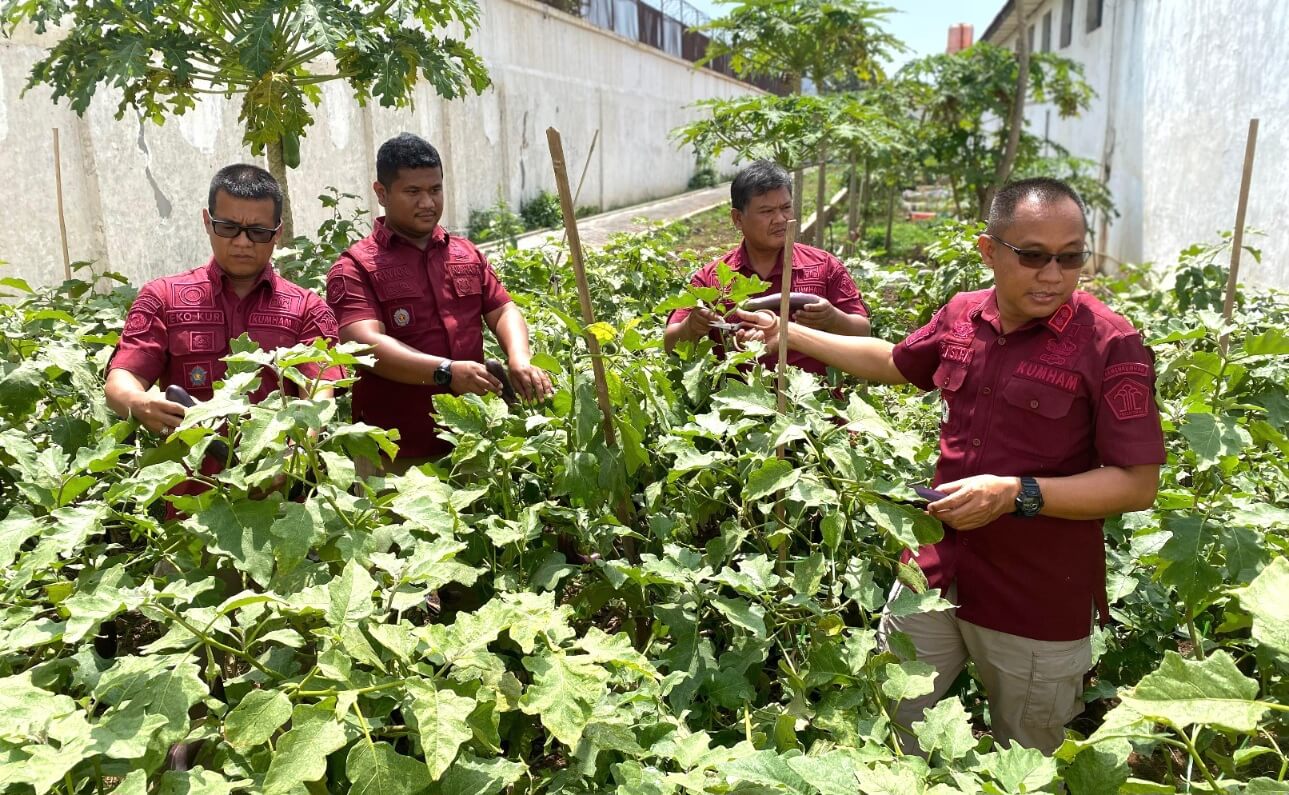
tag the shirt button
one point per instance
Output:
(975, 442)
(1033, 404)
(1002, 340)
(987, 391)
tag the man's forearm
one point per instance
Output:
(512, 333)
(676, 333)
(1101, 492)
(121, 389)
(853, 325)
(865, 357)
(395, 360)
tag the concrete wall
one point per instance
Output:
(1176, 84)
(133, 191)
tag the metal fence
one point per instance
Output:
(668, 26)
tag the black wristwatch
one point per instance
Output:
(1030, 500)
(443, 373)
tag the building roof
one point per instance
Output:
(1005, 25)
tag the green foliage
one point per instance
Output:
(961, 97)
(497, 222)
(542, 211)
(793, 39)
(685, 612)
(163, 56)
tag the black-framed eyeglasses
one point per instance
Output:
(231, 229)
(1072, 260)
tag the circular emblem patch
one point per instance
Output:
(192, 296)
(197, 376)
(137, 323)
(402, 317)
(335, 289)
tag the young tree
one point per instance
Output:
(794, 40)
(973, 131)
(163, 56)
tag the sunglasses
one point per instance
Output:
(231, 229)
(1072, 260)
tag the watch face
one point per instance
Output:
(443, 375)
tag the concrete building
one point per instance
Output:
(133, 190)
(1177, 82)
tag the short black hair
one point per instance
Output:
(245, 181)
(756, 179)
(1002, 212)
(404, 150)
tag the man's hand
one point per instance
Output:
(758, 327)
(821, 315)
(975, 501)
(155, 413)
(472, 378)
(699, 322)
(532, 383)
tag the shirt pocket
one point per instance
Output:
(466, 279)
(1040, 422)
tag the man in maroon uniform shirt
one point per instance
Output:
(1051, 426)
(761, 206)
(420, 297)
(179, 326)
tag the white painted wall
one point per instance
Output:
(133, 191)
(1176, 84)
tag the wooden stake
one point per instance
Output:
(58, 194)
(785, 312)
(1237, 238)
(559, 255)
(583, 290)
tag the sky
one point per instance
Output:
(923, 25)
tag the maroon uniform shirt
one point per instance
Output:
(179, 326)
(1055, 397)
(432, 300)
(813, 271)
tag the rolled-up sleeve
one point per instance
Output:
(144, 346)
(918, 355)
(350, 297)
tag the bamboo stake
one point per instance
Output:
(583, 290)
(821, 196)
(559, 255)
(1237, 239)
(58, 193)
(781, 369)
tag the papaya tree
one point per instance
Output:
(961, 99)
(796, 40)
(275, 54)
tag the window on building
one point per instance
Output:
(1067, 23)
(1031, 38)
(1096, 9)
(1047, 32)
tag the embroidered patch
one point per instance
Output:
(1058, 352)
(198, 375)
(149, 304)
(402, 317)
(923, 332)
(1129, 400)
(1061, 318)
(189, 317)
(335, 289)
(201, 341)
(963, 329)
(1127, 368)
(390, 275)
(271, 319)
(190, 295)
(137, 322)
(1052, 376)
(283, 303)
(955, 353)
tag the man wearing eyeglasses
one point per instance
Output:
(1051, 426)
(179, 327)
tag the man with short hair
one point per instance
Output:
(1051, 426)
(179, 327)
(421, 297)
(761, 206)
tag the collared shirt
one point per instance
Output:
(814, 271)
(179, 328)
(432, 300)
(1056, 397)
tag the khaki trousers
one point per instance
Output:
(1034, 687)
